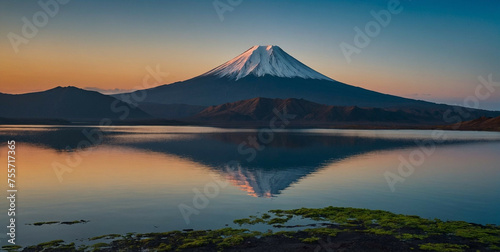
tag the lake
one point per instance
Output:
(160, 178)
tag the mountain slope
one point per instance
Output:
(211, 90)
(69, 103)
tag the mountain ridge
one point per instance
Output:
(261, 109)
(68, 103)
(481, 123)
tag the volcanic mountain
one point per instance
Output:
(68, 103)
(270, 72)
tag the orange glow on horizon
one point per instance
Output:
(140, 171)
(120, 68)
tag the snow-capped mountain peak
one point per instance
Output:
(265, 60)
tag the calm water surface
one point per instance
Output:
(135, 178)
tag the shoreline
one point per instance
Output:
(334, 229)
(259, 126)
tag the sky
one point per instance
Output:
(429, 50)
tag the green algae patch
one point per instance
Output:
(107, 237)
(73, 222)
(41, 223)
(407, 236)
(265, 219)
(310, 239)
(231, 241)
(443, 247)
(99, 246)
(52, 245)
(11, 248)
(45, 223)
(378, 222)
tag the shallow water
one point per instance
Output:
(133, 179)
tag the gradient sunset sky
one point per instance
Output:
(432, 50)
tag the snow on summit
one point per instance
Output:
(265, 60)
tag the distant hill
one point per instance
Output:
(261, 109)
(67, 103)
(482, 123)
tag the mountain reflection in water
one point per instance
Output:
(270, 169)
